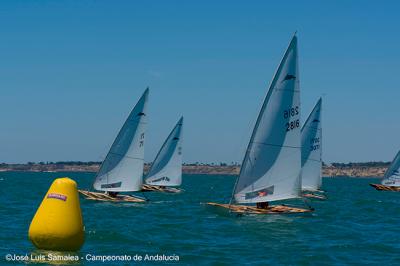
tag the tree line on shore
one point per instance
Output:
(221, 164)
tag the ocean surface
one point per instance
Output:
(357, 225)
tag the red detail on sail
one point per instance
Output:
(262, 193)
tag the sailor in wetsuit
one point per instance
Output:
(112, 194)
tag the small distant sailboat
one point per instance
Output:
(122, 169)
(165, 173)
(391, 179)
(311, 154)
(271, 167)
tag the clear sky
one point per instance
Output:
(70, 72)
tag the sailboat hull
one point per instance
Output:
(275, 209)
(99, 196)
(386, 188)
(153, 188)
(314, 196)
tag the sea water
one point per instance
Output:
(357, 225)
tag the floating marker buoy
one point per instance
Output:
(57, 224)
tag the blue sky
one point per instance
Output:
(70, 72)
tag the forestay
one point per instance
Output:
(311, 150)
(271, 167)
(392, 174)
(166, 169)
(122, 169)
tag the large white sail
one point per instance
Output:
(166, 169)
(392, 174)
(122, 169)
(271, 167)
(311, 150)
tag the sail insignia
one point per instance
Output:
(113, 185)
(288, 77)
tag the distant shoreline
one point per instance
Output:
(369, 169)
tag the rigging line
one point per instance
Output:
(247, 149)
(114, 153)
(275, 145)
(237, 179)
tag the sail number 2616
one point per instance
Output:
(289, 113)
(292, 125)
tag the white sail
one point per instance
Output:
(166, 169)
(392, 174)
(311, 150)
(271, 167)
(122, 169)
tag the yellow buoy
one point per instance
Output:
(57, 224)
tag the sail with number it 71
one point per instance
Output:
(122, 169)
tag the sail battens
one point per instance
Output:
(128, 157)
(269, 144)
